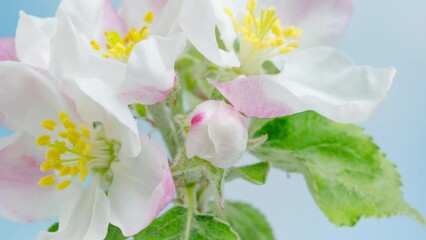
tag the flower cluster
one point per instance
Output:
(73, 88)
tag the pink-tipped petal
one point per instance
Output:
(22, 199)
(218, 134)
(150, 72)
(84, 214)
(324, 22)
(259, 96)
(320, 79)
(141, 188)
(112, 20)
(7, 49)
(33, 37)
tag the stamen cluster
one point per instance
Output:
(74, 152)
(121, 48)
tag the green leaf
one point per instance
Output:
(54, 227)
(114, 233)
(247, 221)
(176, 224)
(346, 173)
(256, 173)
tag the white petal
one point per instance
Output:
(97, 102)
(224, 22)
(133, 11)
(83, 215)
(331, 84)
(324, 22)
(28, 96)
(150, 73)
(87, 16)
(167, 20)
(22, 199)
(141, 188)
(228, 132)
(33, 37)
(198, 21)
(7, 49)
(73, 57)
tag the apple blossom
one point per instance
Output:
(218, 134)
(197, 19)
(296, 38)
(86, 146)
(89, 39)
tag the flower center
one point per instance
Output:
(262, 37)
(121, 48)
(75, 152)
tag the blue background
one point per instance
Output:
(382, 33)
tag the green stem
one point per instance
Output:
(164, 123)
(191, 209)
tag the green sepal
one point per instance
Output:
(114, 233)
(200, 168)
(256, 173)
(269, 68)
(54, 227)
(140, 109)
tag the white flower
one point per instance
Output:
(89, 39)
(197, 19)
(79, 158)
(297, 36)
(218, 134)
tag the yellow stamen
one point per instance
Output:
(46, 166)
(63, 116)
(149, 17)
(43, 140)
(69, 125)
(47, 181)
(95, 45)
(65, 171)
(264, 31)
(63, 185)
(251, 5)
(119, 47)
(49, 124)
(69, 156)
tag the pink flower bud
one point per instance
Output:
(218, 134)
